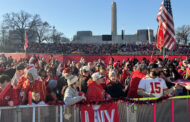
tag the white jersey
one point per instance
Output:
(155, 86)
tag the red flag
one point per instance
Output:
(160, 37)
(26, 42)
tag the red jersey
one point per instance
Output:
(8, 94)
(134, 83)
(95, 92)
(24, 86)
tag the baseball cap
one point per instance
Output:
(97, 76)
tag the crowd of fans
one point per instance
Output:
(38, 81)
(91, 49)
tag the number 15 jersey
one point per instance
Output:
(154, 86)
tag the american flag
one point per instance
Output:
(166, 31)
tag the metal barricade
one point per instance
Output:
(127, 112)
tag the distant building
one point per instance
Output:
(87, 37)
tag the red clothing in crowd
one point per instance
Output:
(8, 94)
(1, 69)
(124, 76)
(137, 76)
(104, 83)
(181, 73)
(95, 92)
(89, 82)
(107, 81)
(25, 86)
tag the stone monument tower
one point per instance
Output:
(114, 19)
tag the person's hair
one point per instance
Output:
(35, 92)
(141, 67)
(20, 66)
(111, 72)
(151, 66)
(63, 89)
(52, 70)
(4, 78)
(40, 72)
(102, 68)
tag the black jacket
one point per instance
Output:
(115, 90)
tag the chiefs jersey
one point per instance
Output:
(8, 94)
(154, 86)
(24, 86)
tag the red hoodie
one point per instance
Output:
(95, 92)
(134, 83)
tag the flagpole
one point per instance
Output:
(154, 46)
(25, 42)
(164, 52)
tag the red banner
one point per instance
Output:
(91, 58)
(100, 113)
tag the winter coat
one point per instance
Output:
(71, 96)
(115, 90)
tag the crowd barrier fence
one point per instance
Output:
(171, 110)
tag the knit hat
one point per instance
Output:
(34, 73)
(32, 60)
(72, 79)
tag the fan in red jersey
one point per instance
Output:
(8, 95)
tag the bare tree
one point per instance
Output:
(4, 34)
(43, 32)
(21, 22)
(56, 36)
(183, 33)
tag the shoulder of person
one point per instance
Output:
(145, 78)
(160, 79)
(70, 89)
